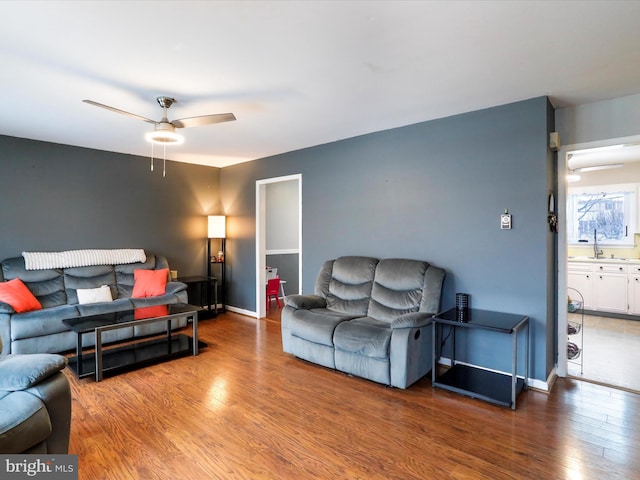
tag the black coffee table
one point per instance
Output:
(141, 351)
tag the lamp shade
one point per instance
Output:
(217, 226)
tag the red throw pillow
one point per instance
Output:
(16, 294)
(149, 283)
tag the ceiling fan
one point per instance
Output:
(164, 130)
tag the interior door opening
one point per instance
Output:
(598, 260)
(278, 235)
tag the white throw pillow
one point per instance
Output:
(94, 295)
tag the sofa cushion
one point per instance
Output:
(316, 326)
(19, 372)
(371, 368)
(119, 305)
(124, 273)
(397, 288)
(46, 285)
(350, 285)
(149, 283)
(89, 277)
(41, 322)
(15, 293)
(365, 336)
(321, 287)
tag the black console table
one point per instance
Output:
(204, 285)
(499, 388)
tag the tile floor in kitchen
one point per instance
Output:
(611, 351)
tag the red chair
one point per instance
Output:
(273, 290)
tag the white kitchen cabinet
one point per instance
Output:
(607, 286)
(579, 277)
(611, 292)
(610, 288)
(634, 290)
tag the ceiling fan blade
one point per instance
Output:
(117, 110)
(203, 120)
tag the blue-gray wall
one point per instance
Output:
(431, 191)
(58, 197)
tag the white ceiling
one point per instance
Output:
(297, 73)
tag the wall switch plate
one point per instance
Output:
(505, 221)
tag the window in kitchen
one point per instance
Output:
(606, 210)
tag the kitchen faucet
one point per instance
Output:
(596, 252)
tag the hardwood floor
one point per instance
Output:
(243, 409)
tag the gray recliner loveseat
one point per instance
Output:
(369, 318)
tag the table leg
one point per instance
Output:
(195, 334)
(169, 335)
(79, 354)
(526, 359)
(215, 297)
(434, 353)
(208, 286)
(453, 345)
(98, 354)
(514, 369)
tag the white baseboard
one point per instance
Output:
(242, 311)
(544, 386)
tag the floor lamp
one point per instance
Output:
(217, 229)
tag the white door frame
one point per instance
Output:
(561, 369)
(261, 261)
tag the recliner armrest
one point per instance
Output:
(20, 372)
(412, 320)
(305, 302)
(175, 287)
(6, 308)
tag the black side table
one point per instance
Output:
(202, 284)
(499, 388)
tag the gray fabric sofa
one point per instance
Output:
(367, 317)
(35, 404)
(42, 331)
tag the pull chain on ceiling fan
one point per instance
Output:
(164, 130)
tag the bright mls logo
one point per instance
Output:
(52, 467)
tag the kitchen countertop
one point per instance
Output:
(604, 260)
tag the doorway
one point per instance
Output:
(609, 338)
(278, 235)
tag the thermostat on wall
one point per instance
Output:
(505, 221)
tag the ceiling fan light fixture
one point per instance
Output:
(164, 135)
(164, 130)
